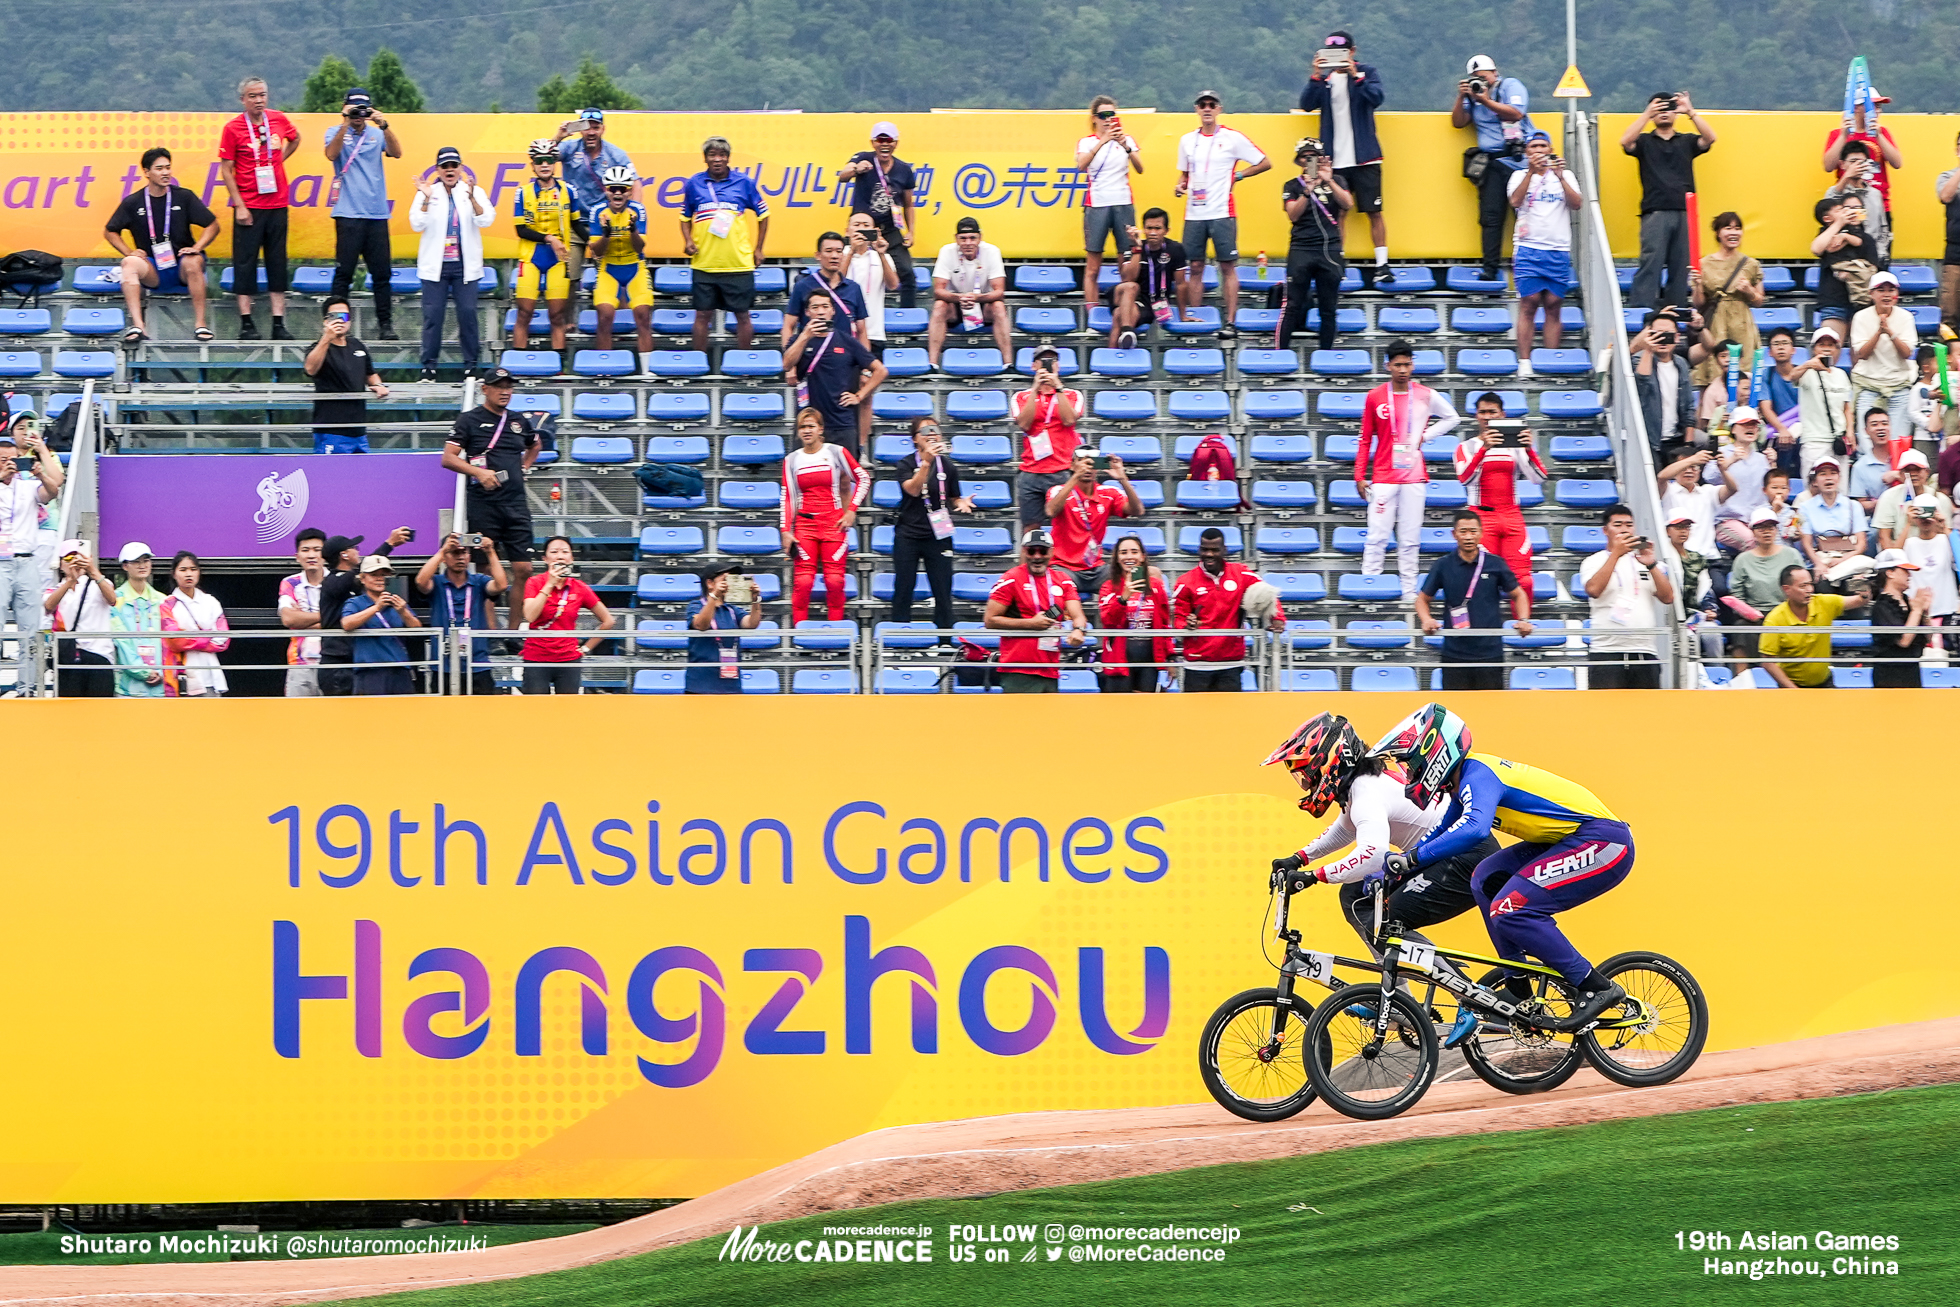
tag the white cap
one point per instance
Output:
(376, 563)
(74, 549)
(1826, 330)
(1743, 413)
(1764, 513)
(1912, 458)
(1480, 63)
(135, 549)
(884, 129)
(1829, 461)
(1927, 504)
(1893, 558)
(1883, 279)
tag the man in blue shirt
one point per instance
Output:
(1499, 108)
(714, 662)
(358, 195)
(1472, 584)
(460, 600)
(1831, 526)
(586, 154)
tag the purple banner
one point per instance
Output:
(252, 505)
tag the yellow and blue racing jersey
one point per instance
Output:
(547, 208)
(615, 228)
(1494, 793)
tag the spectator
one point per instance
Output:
(1823, 400)
(1156, 281)
(1802, 661)
(494, 446)
(1490, 471)
(835, 372)
(1046, 413)
(1900, 621)
(552, 602)
(823, 487)
(1739, 472)
(1033, 598)
(191, 609)
(616, 232)
(1079, 511)
(1755, 584)
(1846, 260)
(1776, 489)
(252, 153)
(969, 281)
(922, 532)
(299, 610)
(1667, 174)
(1726, 287)
(1389, 469)
(358, 196)
(1500, 109)
(161, 253)
(450, 262)
(1832, 527)
(463, 599)
(1472, 583)
(1544, 192)
(21, 497)
(1883, 371)
(1889, 514)
(138, 611)
(1315, 202)
(1211, 597)
(549, 223)
(829, 279)
(1855, 186)
(1664, 386)
(1778, 402)
(714, 662)
(1931, 414)
(1133, 597)
(1347, 92)
(340, 365)
(380, 661)
(717, 241)
(1684, 491)
(1947, 191)
(1868, 475)
(1838, 143)
(342, 556)
(1694, 565)
(1104, 159)
(873, 271)
(883, 188)
(1208, 174)
(587, 159)
(1623, 582)
(82, 600)
(1930, 548)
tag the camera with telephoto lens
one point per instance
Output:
(361, 111)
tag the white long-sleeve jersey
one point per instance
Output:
(1377, 817)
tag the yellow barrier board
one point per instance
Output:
(617, 947)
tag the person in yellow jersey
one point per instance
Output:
(1800, 661)
(715, 235)
(618, 235)
(1571, 848)
(549, 224)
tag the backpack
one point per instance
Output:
(977, 667)
(27, 272)
(60, 434)
(670, 480)
(1212, 461)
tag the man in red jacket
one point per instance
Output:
(1037, 599)
(1209, 597)
(1490, 473)
(1388, 468)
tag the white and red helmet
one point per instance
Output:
(1429, 744)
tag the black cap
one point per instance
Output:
(500, 377)
(967, 224)
(1338, 40)
(713, 570)
(1202, 96)
(1046, 351)
(1037, 538)
(448, 154)
(336, 546)
(355, 95)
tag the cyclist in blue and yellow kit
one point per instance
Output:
(618, 251)
(1571, 847)
(548, 223)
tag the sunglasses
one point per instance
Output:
(1105, 113)
(619, 190)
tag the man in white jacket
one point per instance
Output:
(450, 211)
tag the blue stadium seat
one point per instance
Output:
(1395, 634)
(1772, 316)
(1347, 322)
(604, 363)
(92, 322)
(906, 361)
(1124, 405)
(1194, 362)
(660, 633)
(96, 279)
(309, 281)
(1916, 279)
(1444, 494)
(603, 406)
(1274, 405)
(1487, 362)
(1572, 492)
(1859, 637)
(771, 281)
(1309, 633)
(818, 591)
(1040, 279)
(1549, 635)
(1078, 680)
(1529, 495)
(1495, 322)
(817, 633)
(1569, 318)
(1370, 589)
(25, 322)
(982, 540)
(1560, 362)
(1543, 678)
(901, 406)
(603, 449)
(531, 362)
(1274, 447)
(1342, 406)
(1200, 406)
(20, 363)
(403, 279)
(968, 362)
(226, 281)
(979, 451)
(750, 450)
(668, 322)
(1349, 539)
(1208, 496)
(1260, 322)
(1410, 279)
(761, 680)
(988, 494)
(677, 449)
(1340, 447)
(976, 405)
(677, 363)
(1580, 449)
(547, 402)
(676, 407)
(1297, 587)
(908, 680)
(824, 680)
(1152, 537)
(1067, 363)
(1202, 321)
(752, 406)
(660, 680)
(1934, 676)
(1345, 494)
(677, 540)
(1396, 320)
(1281, 540)
(1133, 449)
(1341, 362)
(906, 322)
(767, 322)
(1465, 280)
(83, 363)
(890, 449)
(1777, 279)
(748, 541)
(1252, 276)
(1105, 362)
(1311, 679)
(1044, 321)
(906, 635)
(1428, 362)
(1439, 449)
(752, 363)
(1583, 539)
(1281, 494)
(667, 587)
(756, 496)
(1537, 536)
(1925, 318)
(673, 279)
(1570, 404)
(1187, 538)
(1851, 678)
(1268, 362)
(1810, 278)
(885, 493)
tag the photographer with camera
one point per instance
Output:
(727, 603)
(1047, 413)
(380, 664)
(1105, 158)
(1490, 463)
(1499, 108)
(1890, 515)
(1929, 545)
(1346, 94)
(460, 599)
(494, 446)
(882, 189)
(340, 365)
(922, 532)
(1545, 194)
(1034, 598)
(22, 496)
(1315, 203)
(1881, 151)
(1623, 582)
(358, 196)
(1080, 510)
(1857, 184)
(552, 602)
(1663, 385)
(1667, 174)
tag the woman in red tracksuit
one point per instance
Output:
(1490, 476)
(822, 488)
(1131, 663)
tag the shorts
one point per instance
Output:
(734, 291)
(302, 682)
(1105, 220)
(541, 274)
(1031, 495)
(341, 442)
(168, 279)
(1029, 683)
(633, 282)
(1542, 272)
(1223, 233)
(505, 519)
(1364, 183)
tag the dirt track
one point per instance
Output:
(994, 1154)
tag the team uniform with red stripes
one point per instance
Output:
(1490, 479)
(1389, 458)
(818, 489)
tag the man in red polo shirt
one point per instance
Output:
(1047, 413)
(1389, 472)
(252, 153)
(1035, 598)
(1209, 597)
(1079, 510)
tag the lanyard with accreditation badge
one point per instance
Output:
(263, 179)
(162, 249)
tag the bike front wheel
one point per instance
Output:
(1522, 1059)
(1359, 1077)
(1665, 1016)
(1250, 1055)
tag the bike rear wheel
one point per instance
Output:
(1523, 1060)
(1370, 1085)
(1665, 1045)
(1252, 1072)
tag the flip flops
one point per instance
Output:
(204, 333)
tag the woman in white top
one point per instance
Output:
(1104, 158)
(82, 600)
(191, 609)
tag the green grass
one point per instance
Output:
(1585, 1214)
(39, 1248)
